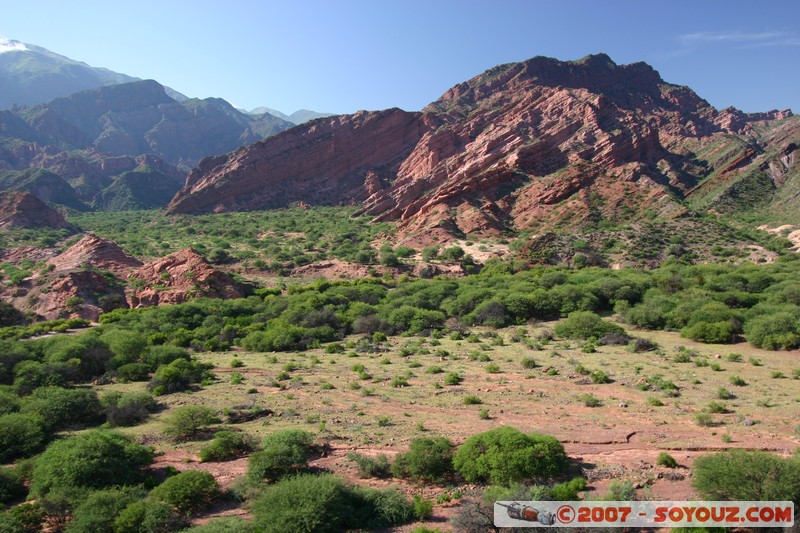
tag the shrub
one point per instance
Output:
(25, 518)
(428, 459)
(505, 454)
(59, 407)
(585, 325)
(188, 491)
(146, 516)
(665, 459)
(599, 377)
(528, 363)
(93, 460)
(100, 509)
(225, 446)
(638, 345)
(133, 372)
(568, 491)
(452, 379)
(377, 466)
(422, 508)
(176, 376)
(472, 400)
(324, 503)
(11, 486)
(284, 453)
(163, 354)
(589, 400)
(725, 394)
(774, 331)
(738, 381)
(190, 420)
(127, 409)
(711, 332)
(717, 408)
(747, 475)
(21, 435)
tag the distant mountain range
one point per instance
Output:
(300, 116)
(120, 146)
(31, 75)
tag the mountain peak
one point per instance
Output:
(10, 45)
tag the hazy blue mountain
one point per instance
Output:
(31, 75)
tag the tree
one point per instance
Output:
(127, 409)
(584, 325)
(503, 455)
(190, 420)
(148, 516)
(188, 491)
(59, 407)
(428, 459)
(21, 435)
(95, 459)
(747, 475)
(226, 445)
(324, 503)
(284, 453)
(100, 508)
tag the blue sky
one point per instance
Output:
(345, 55)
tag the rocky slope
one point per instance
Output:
(24, 210)
(178, 277)
(535, 145)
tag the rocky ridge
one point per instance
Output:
(536, 145)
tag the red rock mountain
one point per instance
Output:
(92, 251)
(24, 210)
(536, 144)
(177, 278)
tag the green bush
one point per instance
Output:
(21, 435)
(95, 459)
(377, 466)
(189, 421)
(710, 332)
(774, 331)
(428, 459)
(452, 378)
(163, 354)
(133, 372)
(25, 518)
(100, 509)
(60, 408)
(747, 475)
(505, 455)
(148, 516)
(585, 325)
(324, 503)
(225, 446)
(9, 402)
(11, 486)
(665, 459)
(188, 491)
(284, 453)
(127, 409)
(176, 376)
(568, 491)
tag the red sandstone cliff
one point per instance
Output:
(536, 144)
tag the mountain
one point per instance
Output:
(300, 116)
(31, 75)
(24, 210)
(119, 146)
(536, 145)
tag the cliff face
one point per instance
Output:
(329, 161)
(530, 145)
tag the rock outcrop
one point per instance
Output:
(532, 145)
(24, 210)
(92, 251)
(177, 278)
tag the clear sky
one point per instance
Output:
(344, 55)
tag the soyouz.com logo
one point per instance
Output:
(643, 514)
